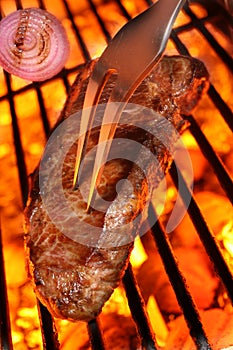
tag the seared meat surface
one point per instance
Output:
(74, 279)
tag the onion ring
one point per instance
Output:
(34, 44)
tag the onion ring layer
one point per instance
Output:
(33, 44)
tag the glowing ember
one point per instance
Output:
(225, 237)
(227, 234)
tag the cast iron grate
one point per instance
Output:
(134, 297)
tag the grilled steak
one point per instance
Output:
(74, 279)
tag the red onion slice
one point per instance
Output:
(33, 44)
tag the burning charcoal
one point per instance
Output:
(218, 324)
(198, 272)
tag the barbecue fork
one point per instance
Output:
(131, 54)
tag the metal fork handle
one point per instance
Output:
(125, 54)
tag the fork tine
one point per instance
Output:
(93, 93)
(108, 127)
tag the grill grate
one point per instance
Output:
(135, 300)
(179, 285)
(5, 330)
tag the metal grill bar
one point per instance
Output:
(138, 310)
(5, 328)
(204, 232)
(213, 159)
(19, 4)
(123, 10)
(101, 22)
(80, 40)
(49, 334)
(212, 92)
(96, 337)
(41, 4)
(225, 57)
(178, 282)
(223, 108)
(44, 116)
(21, 165)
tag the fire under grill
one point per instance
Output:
(28, 111)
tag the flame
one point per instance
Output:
(157, 321)
(117, 303)
(138, 255)
(227, 234)
(225, 237)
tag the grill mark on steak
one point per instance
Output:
(74, 280)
